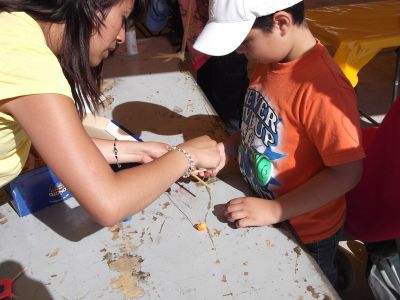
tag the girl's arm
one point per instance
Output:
(140, 152)
(53, 125)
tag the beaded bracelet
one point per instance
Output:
(192, 166)
(115, 150)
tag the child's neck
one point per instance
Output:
(303, 41)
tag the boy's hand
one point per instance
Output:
(251, 211)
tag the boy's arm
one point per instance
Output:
(329, 184)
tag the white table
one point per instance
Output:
(158, 254)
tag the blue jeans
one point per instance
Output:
(324, 253)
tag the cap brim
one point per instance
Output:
(218, 39)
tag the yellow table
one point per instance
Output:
(357, 31)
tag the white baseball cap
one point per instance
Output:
(230, 21)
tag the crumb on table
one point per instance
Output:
(201, 226)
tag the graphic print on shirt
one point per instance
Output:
(259, 135)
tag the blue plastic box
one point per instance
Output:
(36, 189)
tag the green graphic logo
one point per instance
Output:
(262, 167)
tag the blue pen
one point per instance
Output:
(127, 130)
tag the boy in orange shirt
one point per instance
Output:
(300, 141)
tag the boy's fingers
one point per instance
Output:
(233, 204)
(236, 201)
(236, 215)
(245, 222)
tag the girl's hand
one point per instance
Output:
(222, 163)
(149, 151)
(204, 152)
(228, 150)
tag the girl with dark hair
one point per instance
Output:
(51, 52)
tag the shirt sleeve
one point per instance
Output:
(27, 65)
(333, 124)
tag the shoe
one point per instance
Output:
(157, 15)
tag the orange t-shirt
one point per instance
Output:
(299, 117)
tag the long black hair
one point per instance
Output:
(82, 18)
